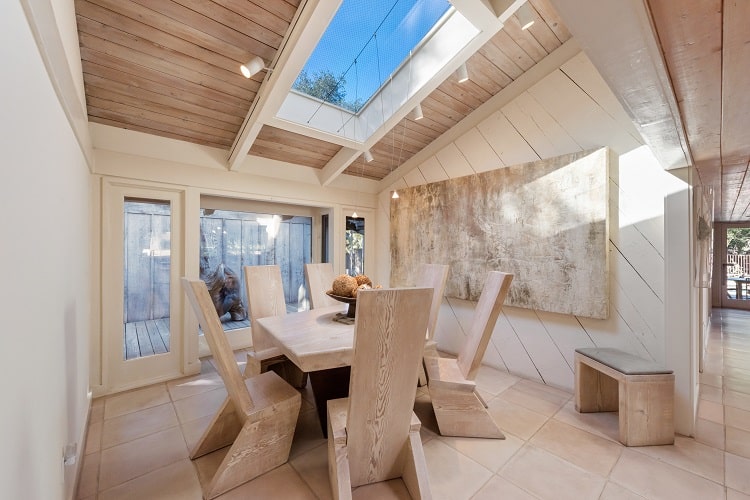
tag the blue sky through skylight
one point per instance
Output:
(397, 25)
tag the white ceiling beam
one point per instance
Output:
(628, 56)
(481, 13)
(308, 26)
(337, 165)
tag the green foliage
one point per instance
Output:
(327, 87)
(738, 240)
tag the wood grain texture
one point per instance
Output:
(379, 418)
(319, 280)
(258, 416)
(545, 222)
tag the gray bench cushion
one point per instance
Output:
(622, 361)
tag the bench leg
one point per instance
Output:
(647, 411)
(594, 391)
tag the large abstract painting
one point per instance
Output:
(546, 222)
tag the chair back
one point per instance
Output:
(265, 297)
(435, 277)
(319, 279)
(388, 345)
(226, 364)
(485, 316)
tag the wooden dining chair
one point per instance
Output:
(265, 297)
(433, 276)
(319, 279)
(459, 409)
(257, 417)
(373, 435)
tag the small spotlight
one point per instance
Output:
(416, 113)
(368, 156)
(462, 73)
(394, 195)
(252, 67)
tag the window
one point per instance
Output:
(355, 246)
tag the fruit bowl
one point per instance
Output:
(352, 301)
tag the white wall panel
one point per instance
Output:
(509, 145)
(432, 170)
(524, 122)
(512, 351)
(478, 152)
(454, 163)
(415, 178)
(551, 128)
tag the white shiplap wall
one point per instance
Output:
(571, 109)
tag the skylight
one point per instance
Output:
(364, 44)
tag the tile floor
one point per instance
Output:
(138, 443)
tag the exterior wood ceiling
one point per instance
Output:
(706, 47)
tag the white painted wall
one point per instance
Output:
(571, 109)
(45, 303)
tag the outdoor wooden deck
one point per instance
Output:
(146, 338)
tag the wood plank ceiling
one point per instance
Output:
(706, 47)
(170, 68)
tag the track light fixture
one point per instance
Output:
(368, 156)
(462, 73)
(416, 113)
(394, 195)
(252, 67)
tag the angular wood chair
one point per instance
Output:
(373, 435)
(319, 279)
(459, 409)
(258, 416)
(265, 297)
(433, 276)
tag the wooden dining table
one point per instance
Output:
(319, 346)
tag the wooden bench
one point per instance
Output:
(640, 390)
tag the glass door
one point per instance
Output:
(736, 267)
(142, 339)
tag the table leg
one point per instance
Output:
(328, 384)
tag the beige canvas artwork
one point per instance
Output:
(545, 221)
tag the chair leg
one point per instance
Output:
(415, 475)
(462, 414)
(338, 468)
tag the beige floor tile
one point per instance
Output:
(550, 477)
(499, 487)
(200, 405)
(307, 433)
(193, 430)
(711, 379)
(281, 482)
(735, 417)
(514, 418)
(312, 466)
(93, 437)
(137, 424)
(736, 495)
(738, 473)
(177, 481)
(88, 480)
(490, 453)
(453, 475)
(494, 381)
(709, 433)
(613, 491)
(129, 460)
(738, 441)
(709, 410)
(207, 465)
(737, 400)
(658, 480)
(394, 489)
(603, 424)
(135, 400)
(97, 410)
(588, 451)
(196, 384)
(711, 393)
(690, 455)
(532, 397)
